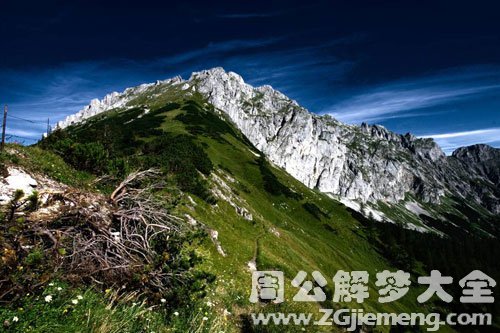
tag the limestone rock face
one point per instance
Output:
(95, 107)
(367, 163)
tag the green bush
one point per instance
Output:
(32, 203)
(314, 210)
(181, 156)
(34, 258)
(90, 157)
(272, 183)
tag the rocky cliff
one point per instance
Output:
(365, 163)
(484, 160)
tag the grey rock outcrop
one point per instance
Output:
(366, 163)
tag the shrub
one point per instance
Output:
(90, 157)
(32, 203)
(272, 183)
(314, 210)
(34, 258)
(181, 156)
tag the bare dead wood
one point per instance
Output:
(134, 176)
(108, 240)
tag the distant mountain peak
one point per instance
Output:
(483, 159)
(480, 150)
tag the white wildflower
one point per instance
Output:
(80, 297)
(205, 318)
(48, 298)
(176, 313)
(59, 288)
(15, 319)
(163, 300)
(74, 301)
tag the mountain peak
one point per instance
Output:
(215, 71)
(216, 74)
(366, 163)
(480, 150)
(483, 160)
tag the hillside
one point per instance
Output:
(232, 202)
(363, 166)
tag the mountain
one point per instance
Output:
(155, 206)
(366, 167)
(483, 160)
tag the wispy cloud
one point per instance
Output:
(451, 141)
(22, 132)
(214, 49)
(396, 99)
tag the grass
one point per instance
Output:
(60, 308)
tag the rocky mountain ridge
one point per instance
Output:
(367, 163)
(483, 159)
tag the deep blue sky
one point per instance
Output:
(426, 67)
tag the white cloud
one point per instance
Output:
(451, 141)
(396, 99)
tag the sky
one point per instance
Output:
(431, 68)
